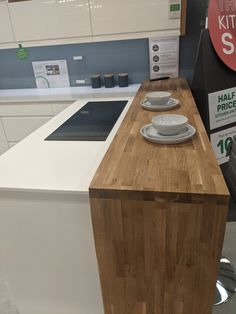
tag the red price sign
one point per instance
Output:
(222, 28)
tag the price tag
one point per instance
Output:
(222, 107)
(174, 9)
(220, 142)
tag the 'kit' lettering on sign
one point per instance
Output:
(222, 28)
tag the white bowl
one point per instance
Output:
(158, 98)
(169, 124)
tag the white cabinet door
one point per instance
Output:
(25, 109)
(3, 140)
(11, 144)
(6, 32)
(60, 106)
(129, 16)
(40, 19)
(17, 128)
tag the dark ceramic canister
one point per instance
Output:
(109, 80)
(123, 80)
(96, 81)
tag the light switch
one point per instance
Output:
(76, 58)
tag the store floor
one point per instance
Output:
(229, 250)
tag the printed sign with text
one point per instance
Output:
(222, 107)
(164, 57)
(220, 142)
(222, 28)
(51, 74)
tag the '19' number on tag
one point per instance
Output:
(224, 145)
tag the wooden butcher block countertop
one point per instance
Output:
(137, 169)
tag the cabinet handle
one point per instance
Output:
(11, 1)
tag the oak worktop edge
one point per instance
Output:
(132, 164)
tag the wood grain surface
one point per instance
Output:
(133, 164)
(159, 214)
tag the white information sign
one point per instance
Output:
(222, 107)
(164, 57)
(50, 74)
(174, 9)
(220, 142)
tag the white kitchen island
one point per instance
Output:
(47, 249)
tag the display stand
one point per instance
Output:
(214, 87)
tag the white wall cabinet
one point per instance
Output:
(130, 16)
(6, 31)
(40, 20)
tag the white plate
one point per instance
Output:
(151, 134)
(172, 103)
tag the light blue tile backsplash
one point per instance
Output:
(102, 57)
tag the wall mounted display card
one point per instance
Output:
(164, 57)
(222, 107)
(51, 74)
(220, 142)
(174, 9)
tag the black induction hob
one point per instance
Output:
(93, 122)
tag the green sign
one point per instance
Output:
(221, 142)
(174, 7)
(224, 145)
(22, 53)
(222, 108)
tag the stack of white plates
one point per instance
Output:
(168, 129)
(152, 135)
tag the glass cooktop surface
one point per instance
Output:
(93, 122)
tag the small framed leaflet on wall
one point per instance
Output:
(164, 57)
(51, 74)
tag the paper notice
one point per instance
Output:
(164, 57)
(51, 74)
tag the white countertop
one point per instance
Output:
(65, 94)
(68, 166)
